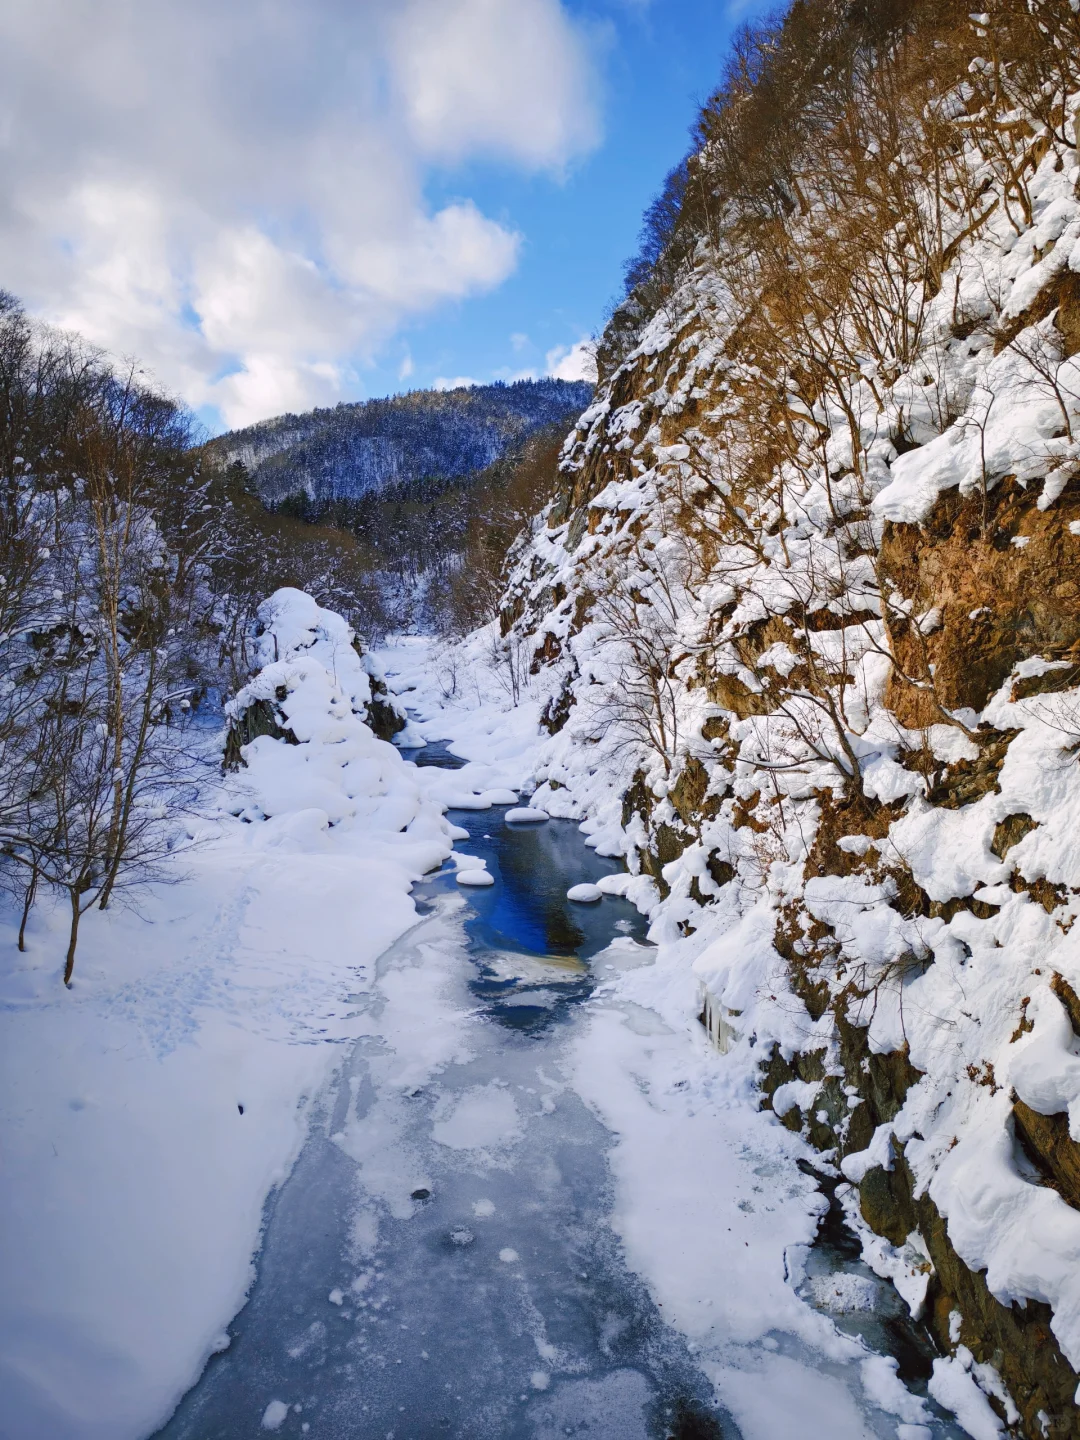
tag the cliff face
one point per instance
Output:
(807, 612)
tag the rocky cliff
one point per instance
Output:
(807, 615)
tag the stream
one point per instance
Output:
(438, 1262)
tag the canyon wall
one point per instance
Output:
(806, 614)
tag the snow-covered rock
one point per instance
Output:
(585, 894)
(477, 878)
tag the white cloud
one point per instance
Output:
(572, 362)
(234, 193)
(459, 382)
(506, 77)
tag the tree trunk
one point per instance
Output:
(28, 905)
(73, 940)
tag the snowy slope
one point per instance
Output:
(345, 452)
(827, 711)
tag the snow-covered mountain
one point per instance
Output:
(351, 450)
(806, 618)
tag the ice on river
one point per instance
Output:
(483, 1118)
(500, 1303)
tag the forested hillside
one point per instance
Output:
(352, 450)
(806, 614)
(418, 495)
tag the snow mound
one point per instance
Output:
(526, 815)
(274, 1416)
(501, 796)
(843, 1294)
(585, 894)
(475, 877)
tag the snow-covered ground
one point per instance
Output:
(150, 1111)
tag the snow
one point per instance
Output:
(477, 878)
(884, 1386)
(274, 1416)
(585, 894)
(842, 1293)
(952, 1385)
(777, 1396)
(133, 1188)
(526, 815)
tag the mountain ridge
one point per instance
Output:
(352, 450)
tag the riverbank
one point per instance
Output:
(149, 1111)
(709, 1201)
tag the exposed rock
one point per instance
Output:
(261, 717)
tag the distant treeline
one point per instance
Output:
(427, 435)
(433, 550)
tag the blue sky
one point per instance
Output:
(271, 207)
(656, 62)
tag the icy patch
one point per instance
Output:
(614, 1405)
(483, 1118)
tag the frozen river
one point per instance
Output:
(438, 1263)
